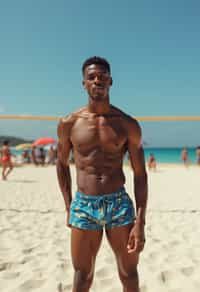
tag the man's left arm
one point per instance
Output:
(137, 235)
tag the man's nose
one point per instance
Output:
(97, 80)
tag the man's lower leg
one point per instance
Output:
(82, 282)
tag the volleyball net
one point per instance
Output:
(158, 131)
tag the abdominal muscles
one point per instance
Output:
(99, 172)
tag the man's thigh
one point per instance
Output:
(118, 239)
(84, 247)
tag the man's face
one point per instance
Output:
(97, 82)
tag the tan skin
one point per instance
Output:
(7, 165)
(184, 156)
(99, 135)
(198, 155)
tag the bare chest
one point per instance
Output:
(106, 134)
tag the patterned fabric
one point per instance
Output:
(109, 210)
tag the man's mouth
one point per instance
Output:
(98, 87)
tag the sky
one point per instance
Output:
(153, 48)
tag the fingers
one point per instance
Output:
(131, 244)
(136, 245)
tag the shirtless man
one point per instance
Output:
(185, 157)
(6, 162)
(99, 135)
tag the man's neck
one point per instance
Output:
(99, 107)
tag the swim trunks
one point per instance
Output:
(104, 210)
(6, 158)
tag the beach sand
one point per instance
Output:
(35, 245)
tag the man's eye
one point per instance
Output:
(99, 77)
(90, 77)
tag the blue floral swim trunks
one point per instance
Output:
(104, 210)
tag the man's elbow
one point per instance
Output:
(61, 164)
(141, 176)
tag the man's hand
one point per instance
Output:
(67, 219)
(136, 239)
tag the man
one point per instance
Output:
(99, 135)
(34, 155)
(198, 155)
(185, 157)
(6, 162)
(152, 162)
(41, 156)
(51, 155)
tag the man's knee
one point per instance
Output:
(130, 279)
(82, 280)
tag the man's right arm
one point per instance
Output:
(62, 166)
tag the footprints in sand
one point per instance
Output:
(5, 266)
(188, 271)
(33, 251)
(31, 285)
(171, 260)
(35, 247)
(63, 288)
(40, 259)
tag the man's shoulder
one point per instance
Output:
(128, 120)
(132, 128)
(71, 118)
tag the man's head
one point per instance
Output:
(97, 78)
(96, 61)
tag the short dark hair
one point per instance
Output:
(97, 61)
(6, 142)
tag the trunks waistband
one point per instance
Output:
(118, 193)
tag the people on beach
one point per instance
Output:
(41, 156)
(198, 155)
(51, 155)
(99, 135)
(151, 162)
(26, 156)
(185, 157)
(34, 155)
(7, 165)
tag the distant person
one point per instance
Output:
(152, 162)
(51, 155)
(185, 157)
(198, 155)
(34, 155)
(41, 156)
(26, 156)
(6, 162)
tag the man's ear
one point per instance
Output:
(111, 81)
(83, 82)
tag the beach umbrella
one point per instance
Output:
(44, 141)
(23, 146)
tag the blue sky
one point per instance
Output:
(153, 48)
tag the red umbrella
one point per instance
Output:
(44, 141)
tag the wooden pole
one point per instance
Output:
(26, 117)
(139, 118)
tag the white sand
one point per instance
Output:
(34, 243)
